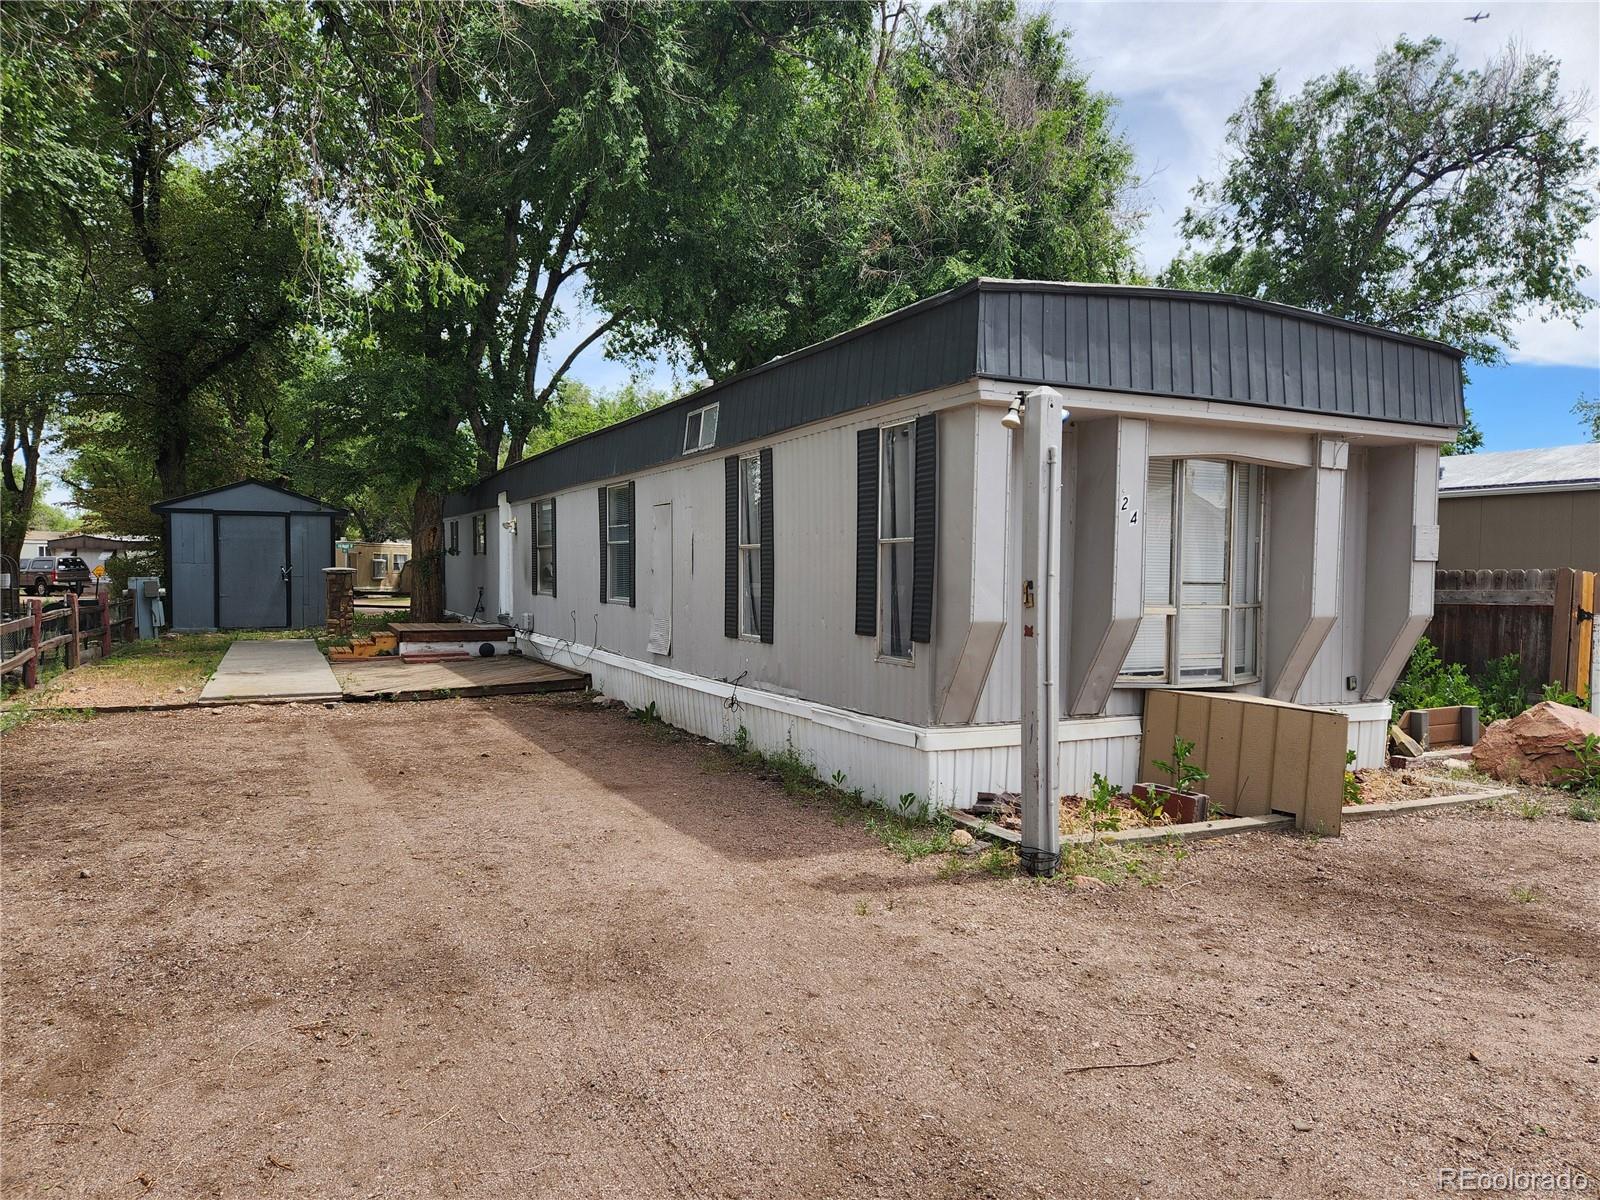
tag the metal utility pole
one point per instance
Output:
(1040, 497)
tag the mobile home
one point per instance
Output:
(824, 551)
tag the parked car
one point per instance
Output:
(59, 573)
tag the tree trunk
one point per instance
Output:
(427, 554)
(24, 435)
(172, 452)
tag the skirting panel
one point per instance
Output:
(1369, 730)
(947, 766)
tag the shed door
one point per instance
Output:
(310, 550)
(252, 554)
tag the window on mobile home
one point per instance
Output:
(455, 537)
(700, 429)
(544, 547)
(380, 566)
(750, 502)
(1202, 575)
(480, 534)
(895, 539)
(619, 543)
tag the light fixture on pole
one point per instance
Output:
(1013, 418)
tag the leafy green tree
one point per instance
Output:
(1420, 196)
(1588, 414)
(934, 147)
(578, 410)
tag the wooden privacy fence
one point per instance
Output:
(1546, 617)
(68, 629)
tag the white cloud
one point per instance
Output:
(1180, 69)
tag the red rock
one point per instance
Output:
(1532, 748)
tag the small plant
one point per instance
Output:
(646, 715)
(1150, 804)
(1352, 785)
(741, 742)
(1186, 777)
(1430, 682)
(1555, 693)
(1584, 777)
(908, 801)
(1501, 688)
(1524, 895)
(1530, 810)
(861, 908)
(838, 778)
(1101, 807)
(1585, 808)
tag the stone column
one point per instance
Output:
(340, 587)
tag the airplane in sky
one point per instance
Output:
(1483, 16)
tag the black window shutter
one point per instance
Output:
(730, 578)
(603, 554)
(867, 532)
(552, 544)
(630, 575)
(768, 562)
(925, 530)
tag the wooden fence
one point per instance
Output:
(1545, 617)
(69, 629)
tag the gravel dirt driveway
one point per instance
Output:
(522, 947)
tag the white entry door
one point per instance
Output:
(660, 592)
(505, 556)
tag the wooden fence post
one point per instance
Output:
(74, 633)
(103, 594)
(30, 669)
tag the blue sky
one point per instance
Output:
(1179, 69)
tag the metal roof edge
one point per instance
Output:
(989, 284)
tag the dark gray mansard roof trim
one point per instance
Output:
(1152, 341)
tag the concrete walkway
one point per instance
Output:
(287, 669)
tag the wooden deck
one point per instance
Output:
(450, 631)
(395, 679)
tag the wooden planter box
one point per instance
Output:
(1181, 808)
(1432, 728)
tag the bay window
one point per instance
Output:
(1202, 575)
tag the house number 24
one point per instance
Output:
(1133, 513)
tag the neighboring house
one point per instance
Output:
(36, 542)
(378, 565)
(823, 550)
(97, 549)
(249, 555)
(1518, 509)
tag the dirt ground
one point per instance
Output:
(529, 948)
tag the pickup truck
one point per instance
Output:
(59, 573)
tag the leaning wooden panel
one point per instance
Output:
(1222, 755)
(1291, 762)
(1160, 726)
(1258, 730)
(1324, 802)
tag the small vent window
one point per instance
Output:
(700, 430)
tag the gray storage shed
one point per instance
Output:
(248, 555)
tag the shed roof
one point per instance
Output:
(1108, 337)
(212, 497)
(1551, 468)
